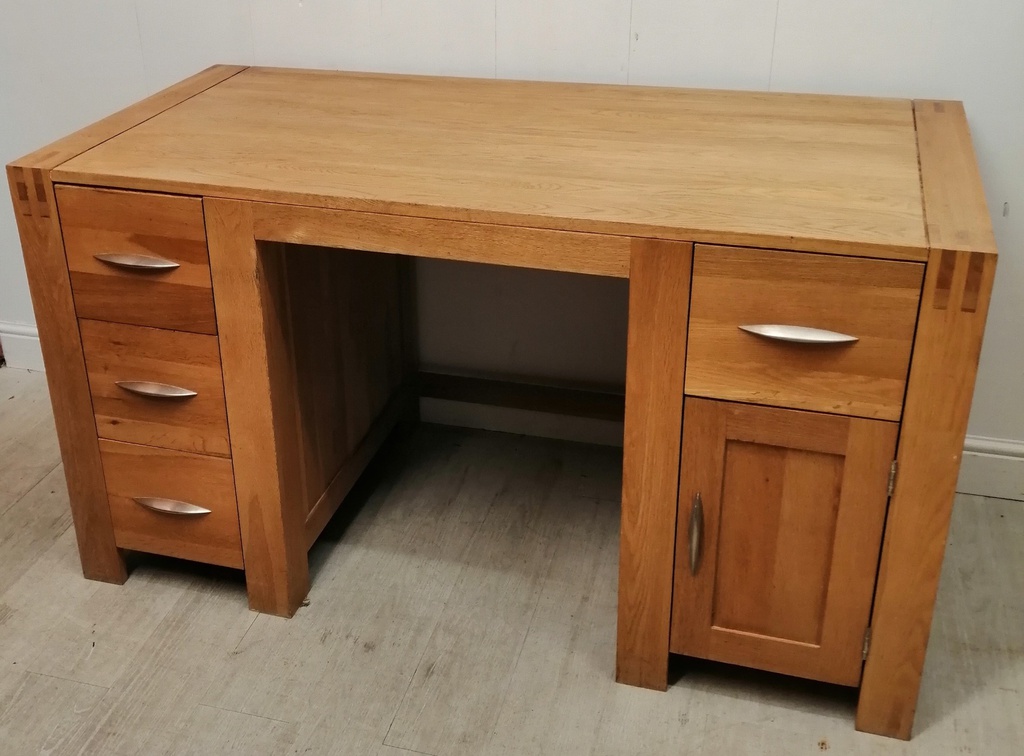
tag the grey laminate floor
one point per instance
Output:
(468, 608)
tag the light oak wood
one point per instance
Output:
(954, 305)
(793, 505)
(402, 405)
(540, 175)
(271, 508)
(956, 213)
(597, 254)
(834, 174)
(98, 221)
(340, 315)
(52, 155)
(134, 471)
(115, 352)
(658, 300)
(873, 300)
(949, 332)
(308, 379)
(50, 288)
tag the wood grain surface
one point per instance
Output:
(116, 352)
(338, 312)
(793, 504)
(134, 471)
(99, 221)
(954, 305)
(61, 344)
(597, 254)
(254, 355)
(86, 138)
(949, 333)
(873, 300)
(956, 213)
(830, 174)
(658, 300)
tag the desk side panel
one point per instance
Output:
(341, 320)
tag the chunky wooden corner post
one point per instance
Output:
(958, 284)
(35, 208)
(272, 513)
(659, 293)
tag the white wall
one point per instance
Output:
(64, 63)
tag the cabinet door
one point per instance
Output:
(792, 506)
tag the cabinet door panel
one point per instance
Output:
(793, 505)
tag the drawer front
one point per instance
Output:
(873, 301)
(156, 387)
(169, 480)
(169, 287)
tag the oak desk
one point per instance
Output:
(226, 347)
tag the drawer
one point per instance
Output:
(169, 287)
(143, 481)
(156, 387)
(873, 301)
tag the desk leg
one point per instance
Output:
(50, 284)
(947, 348)
(253, 354)
(659, 292)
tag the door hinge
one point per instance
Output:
(892, 478)
(867, 644)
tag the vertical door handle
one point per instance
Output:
(696, 532)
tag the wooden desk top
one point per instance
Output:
(820, 173)
(838, 173)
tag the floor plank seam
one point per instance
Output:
(408, 750)
(33, 487)
(244, 714)
(519, 655)
(241, 640)
(67, 679)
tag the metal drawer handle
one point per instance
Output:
(146, 263)
(156, 390)
(798, 334)
(696, 532)
(171, 506)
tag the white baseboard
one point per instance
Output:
(992, 467)
(21, 346)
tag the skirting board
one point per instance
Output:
(21, 346)
(992, 467)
